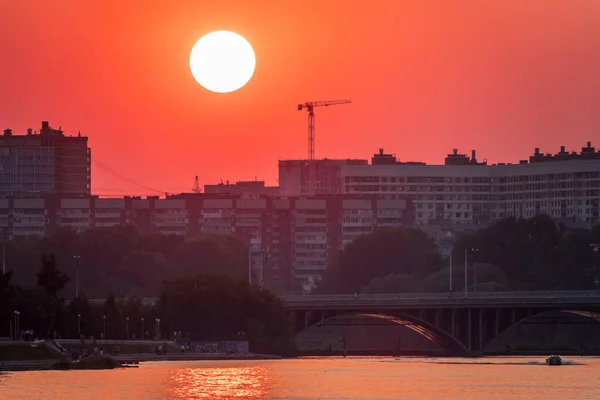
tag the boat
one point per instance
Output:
(554, 360)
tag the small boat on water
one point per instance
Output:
(554, 360)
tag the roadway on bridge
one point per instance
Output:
(432, 300)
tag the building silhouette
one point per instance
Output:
(464, 191)
(44, 162)
(312, 177)
(240, 187)
(291, 240)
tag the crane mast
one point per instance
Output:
(310, 105)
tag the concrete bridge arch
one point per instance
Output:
(440, 342)
(458, 331)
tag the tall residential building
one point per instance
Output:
(312, 177)
(47, 162)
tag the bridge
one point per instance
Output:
(461, 324)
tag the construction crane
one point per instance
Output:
(196, 187)
(311, 120)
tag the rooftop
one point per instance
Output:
(588, 152)
(46, 130)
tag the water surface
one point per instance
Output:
(318, 378)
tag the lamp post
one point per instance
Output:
(76, 258)
(127, 327)
(450, 274)
(79, 325)
(263, 260)
(17, 314)
(466, 273)
(3, 253)
(142, 319)
(250, 262)
(104, 326)
(475, 251)
(157, 328)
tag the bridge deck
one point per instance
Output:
(430, 300)
(443, 300)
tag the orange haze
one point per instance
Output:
(424, 77)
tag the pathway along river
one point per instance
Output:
(318, 378)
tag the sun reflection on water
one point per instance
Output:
(218, 383)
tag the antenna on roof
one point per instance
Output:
(196, 187)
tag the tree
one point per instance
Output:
(393, 283)
(37, 309)
(223, 308)
(212, 254)
(5, 295)
(407, 251)
(142, 269)
(535, 253)
(52, 280)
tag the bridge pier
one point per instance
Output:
(469, 330)
(480, 333)
(497, 324)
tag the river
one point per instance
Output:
(318, 378)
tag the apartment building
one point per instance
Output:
(463, 191)
(312, 177)
(44, 162)
(291, 240)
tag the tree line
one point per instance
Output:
(512, 254)
(124, 261)
(199, 307)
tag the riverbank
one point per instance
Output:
(195, 357)
(55, 361)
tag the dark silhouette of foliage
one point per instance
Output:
(535, 253)
(512, 254)
(125, 261)
(53, 281)
(50, 278)
(210, 307)
(407, 251)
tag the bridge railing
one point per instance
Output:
(414, 297)
(566, 294)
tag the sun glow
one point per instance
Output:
(222, 61)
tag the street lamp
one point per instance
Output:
(104, 321)
(475, 250)
(17, 314)
(450, 274)
(157, 328)
(142, 319)
(127, 325)
(3, 253)
(263, 259)
(76, 258)
(79, 325)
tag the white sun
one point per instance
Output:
(222, 61)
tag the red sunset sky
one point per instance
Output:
(424, 77)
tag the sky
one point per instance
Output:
(424, 77)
